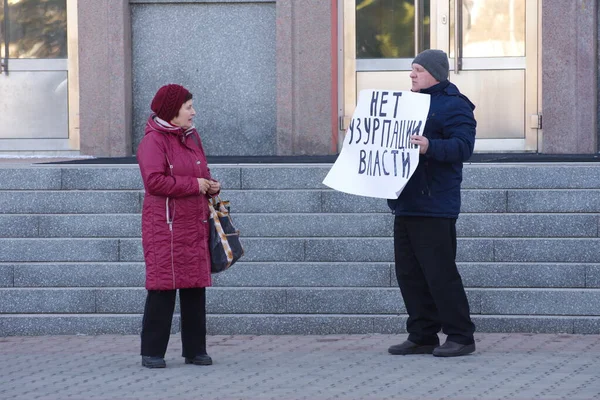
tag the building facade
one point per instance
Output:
(281, 77)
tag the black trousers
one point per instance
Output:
(432, 289)
(158, 314)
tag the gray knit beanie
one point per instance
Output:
(435, 62)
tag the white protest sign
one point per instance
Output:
(377, 158)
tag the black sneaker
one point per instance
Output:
(200, 359)
(153, 362)
(409, 347)
(453, 349)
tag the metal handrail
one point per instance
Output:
(4, 67)
(457, 35)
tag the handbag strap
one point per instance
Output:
(219, 205)
(216, 200)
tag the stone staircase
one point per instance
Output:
(317, 261)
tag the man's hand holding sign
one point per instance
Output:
(381, 148)
(420, 141)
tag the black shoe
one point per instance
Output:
(409, 347)
(200, 359)
(153, 362)
(453, 349)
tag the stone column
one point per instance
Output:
(304, 77)
(569, 76)
(105, 77)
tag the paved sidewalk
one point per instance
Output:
(505, 366)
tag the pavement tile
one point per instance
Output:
(506, 366)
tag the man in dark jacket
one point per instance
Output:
(425, 218)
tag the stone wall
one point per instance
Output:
(224, 53)
(260, 71)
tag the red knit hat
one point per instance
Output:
(168, 100)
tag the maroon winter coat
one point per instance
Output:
(175, 229)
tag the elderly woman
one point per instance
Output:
(175, 229)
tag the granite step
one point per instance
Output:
(300, 300)
(308, 249)
(302, 274)
(281, 324)
(306, 176)
(303, 225)
(103, 201)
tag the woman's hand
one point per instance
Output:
(214, 187)
(204, 185)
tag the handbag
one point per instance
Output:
(225, 245)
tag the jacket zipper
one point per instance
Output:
(170, 223)
(172, 258)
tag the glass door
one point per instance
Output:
(494, 62)
(33, 76)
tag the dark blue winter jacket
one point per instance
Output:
(434, 188)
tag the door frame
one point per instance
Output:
(49, 146)
(347, 90)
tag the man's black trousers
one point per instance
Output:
(432, 289)
(158, 314)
